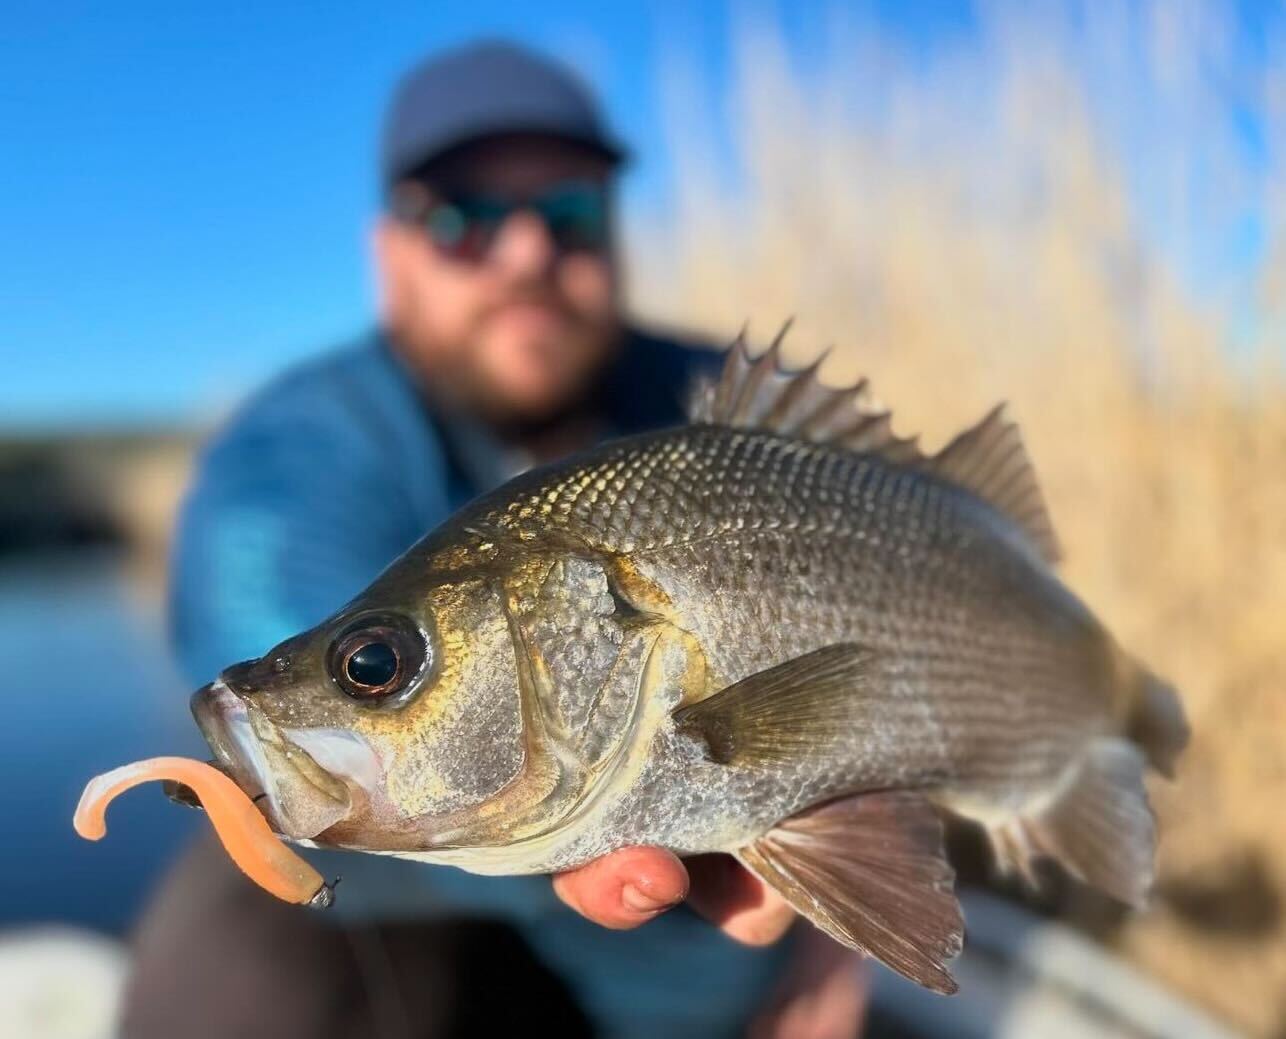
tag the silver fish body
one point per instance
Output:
(762, 549)
(780, 632)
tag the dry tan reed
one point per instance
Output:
(973, 226)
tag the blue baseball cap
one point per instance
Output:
(484, 90)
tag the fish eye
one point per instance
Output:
(377, 658)
(372, 664)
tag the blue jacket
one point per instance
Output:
(312, 488)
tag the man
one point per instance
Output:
(501, 345)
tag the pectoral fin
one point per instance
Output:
(784, 712)
(869, 870)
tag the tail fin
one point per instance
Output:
(1156, 721)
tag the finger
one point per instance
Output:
(824, 994)
(626, 888)
(738, 902)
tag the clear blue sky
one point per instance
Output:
(186, 186)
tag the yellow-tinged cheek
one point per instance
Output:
(404, 736)
(457, 739)
(414, 793)
(437, 702)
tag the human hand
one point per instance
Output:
(823, 993)
(631, 886)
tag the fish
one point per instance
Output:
(780, 631)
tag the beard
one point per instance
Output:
(525, 361)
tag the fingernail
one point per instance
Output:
(639, 901)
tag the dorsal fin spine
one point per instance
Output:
(797, 390)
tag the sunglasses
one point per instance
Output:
(464, 225)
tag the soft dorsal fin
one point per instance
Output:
(988, 460)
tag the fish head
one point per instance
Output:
(451, 705)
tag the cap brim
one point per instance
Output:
(614, 152)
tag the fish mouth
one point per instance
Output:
(299, 797)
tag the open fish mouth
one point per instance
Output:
(300, 796)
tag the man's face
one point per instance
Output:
(515, 328)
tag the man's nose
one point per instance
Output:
(524, 245)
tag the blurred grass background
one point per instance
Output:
(972, 234)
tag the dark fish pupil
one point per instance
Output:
(374, 664)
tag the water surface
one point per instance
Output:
(86, 684)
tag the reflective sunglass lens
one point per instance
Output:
(446, 226)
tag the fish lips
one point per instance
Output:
(300, 798)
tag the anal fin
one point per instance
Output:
(870, 871)
(1098, 825)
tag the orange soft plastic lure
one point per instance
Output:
(245, 833)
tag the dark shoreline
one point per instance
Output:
(61, 491)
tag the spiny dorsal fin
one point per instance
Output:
(988, 460)
(763, 393)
